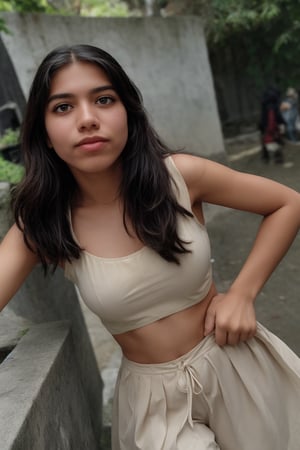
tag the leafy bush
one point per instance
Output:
(10, 172)
(10, 137)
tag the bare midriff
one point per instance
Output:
(167, 338)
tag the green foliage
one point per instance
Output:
(22, 6)
(3, 26)
(5, 5)
(234, 16)
(277, 20)
(10, 137)
(10, 172)
(104, 8)
(267, 31)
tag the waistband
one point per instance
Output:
(188, 358)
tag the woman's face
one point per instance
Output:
(85, 120)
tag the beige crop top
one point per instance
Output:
(135, 290)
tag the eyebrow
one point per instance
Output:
(95, 90)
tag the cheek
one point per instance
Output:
(49, 133)
(125, 133)
(51, 140)
(123, 126)
(55, 136)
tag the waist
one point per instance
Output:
(169, 338)
(199, 350)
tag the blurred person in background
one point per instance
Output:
(271, 126)
(289, 113)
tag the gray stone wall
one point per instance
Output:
(42, 401)
(42, 299)
(166, 58)
(72, 363)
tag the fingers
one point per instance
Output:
(248, 335)
(232, 320)
(209, 324)
(224, 336)
(221, 336)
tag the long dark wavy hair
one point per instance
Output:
(42, 201)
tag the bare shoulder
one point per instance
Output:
(16, 262)
(191, 167)
(188, 164)
(13, 244)
(197, 173)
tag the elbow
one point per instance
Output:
(294, 206)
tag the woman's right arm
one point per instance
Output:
(16, 263)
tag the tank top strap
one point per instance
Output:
(181, 190)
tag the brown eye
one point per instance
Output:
(105, 100)
(64, 107)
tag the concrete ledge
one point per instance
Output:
(49, 299)
(42, 403)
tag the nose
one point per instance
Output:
(88, 118)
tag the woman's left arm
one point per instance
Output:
(232, 315)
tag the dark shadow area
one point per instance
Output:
(10, 90)
(4, 352)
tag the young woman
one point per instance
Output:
(104, 198)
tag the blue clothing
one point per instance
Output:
(290, 115)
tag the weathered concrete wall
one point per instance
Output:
(48, 299)
(42, 400)
(43, 299)
(166, 58)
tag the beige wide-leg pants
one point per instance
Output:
(245, 397)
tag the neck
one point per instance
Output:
(98, 188)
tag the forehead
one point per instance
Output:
(78, 75)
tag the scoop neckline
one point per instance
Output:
(117, 258)
(103, 258)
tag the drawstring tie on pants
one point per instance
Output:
(188, 382)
